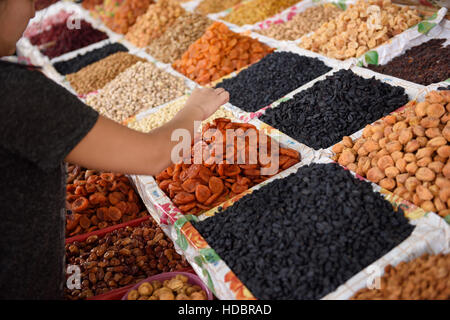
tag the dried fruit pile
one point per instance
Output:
(338, 106)
(302, 23)
(142, 86)
(361, 27)
(424, 278)
(45, 24)
(60, 39)
(98, 74)
(165, 114)
(219, 52)
(270, 79)
(407, 153)
(120, 15)
(91, 4)
(257, 10)
(195, 188)
(213, 6)
(177, 288)
(152, 24)
(98, 200)
(177, 39)
(81, 61)
(303, 236)
(42, 4)
(425, 64)
(120, 258)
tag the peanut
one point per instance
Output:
(375, 174)
(425, 174)
(423, 193)
(435, 110)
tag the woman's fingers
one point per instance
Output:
(219, 90)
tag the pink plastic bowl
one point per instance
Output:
(192, 279)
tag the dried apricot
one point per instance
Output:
(202, 193)
(216, 185)
(80, 204)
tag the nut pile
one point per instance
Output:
(219, 52)
(120, 258)
(98, 200)
(60, 39)
(152, 24)
(177, 288)
(407, 153)
(213, 6)
(257, 10)
(196, 188)
(302, 236)
(340, 105)
(140, 87)
(425, 64)
(424, 278)
(177, 39)
(302, 23)
(119, 16)
(98, 74)
(169, 111)
(361, 27)
(81, 61)
(270, 79)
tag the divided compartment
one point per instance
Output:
(411, 89)
(225, 284)
(118, 293)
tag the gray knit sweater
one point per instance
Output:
(40, 123)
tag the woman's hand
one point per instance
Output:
(112, 147)
(208, 100)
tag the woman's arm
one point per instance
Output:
(112, 147)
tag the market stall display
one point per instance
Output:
(277, 74)
(361, 27)
(311, 229)
(302, 23)
(95, 76)
(407, 153)
(337, 227)
(120, 258)
(340, 105)
(176, 40)
(83, 60)
(253, 11)
(98, 200)
(219, 52)
(140, 87)
(424, 278)
(195, 188)
(152, 24)
(425, 64)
